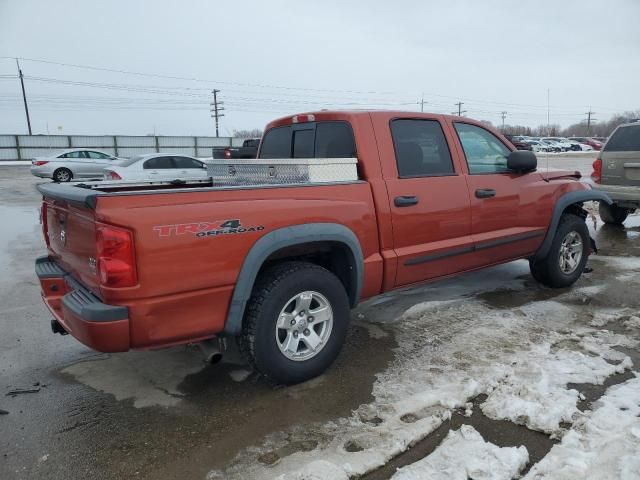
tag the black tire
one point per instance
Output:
(62, 175)
(548, 270)
(612, 214)
(538, 271)
(272, 292)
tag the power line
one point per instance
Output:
(271, 86)
(192, 79)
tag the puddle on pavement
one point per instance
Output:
(148, 378)
(506, 298)
(17, 221)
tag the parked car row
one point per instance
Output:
(555, 144)
(78, 164)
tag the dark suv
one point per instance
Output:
(616, 172)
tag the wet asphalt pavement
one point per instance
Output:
(164, 414)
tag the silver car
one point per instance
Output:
(616, 172)
(73, 164)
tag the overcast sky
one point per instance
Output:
(276, 57)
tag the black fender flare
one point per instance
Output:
(563, 202)
(287, 237)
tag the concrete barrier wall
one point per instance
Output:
(26, 147)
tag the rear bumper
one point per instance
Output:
(619, 193)
(42, 172)
(99, 326)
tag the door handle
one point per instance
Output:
(405, 201)
(485, 193)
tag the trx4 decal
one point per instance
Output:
(206, 229)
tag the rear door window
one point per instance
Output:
(624, 139)
(158, 163)
(421, 148)
(78, 154)
(186, 162)
(97, 155)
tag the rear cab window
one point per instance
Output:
(624, 139)
(331, 139)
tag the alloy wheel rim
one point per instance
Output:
(304, 326)
(570, 252)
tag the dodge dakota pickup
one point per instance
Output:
(342, 206)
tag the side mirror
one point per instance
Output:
(522, 161)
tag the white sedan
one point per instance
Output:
(74, 163)
(157, 166)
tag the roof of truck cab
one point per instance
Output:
(328, 115)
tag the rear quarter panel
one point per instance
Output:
(186, 277)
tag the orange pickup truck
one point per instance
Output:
(277, 262)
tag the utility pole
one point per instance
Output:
(24, 96)
(422, 102)
(589, 115)
(216, 109)
(548, 114)
(460, 111)
(504, 115)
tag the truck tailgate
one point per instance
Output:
(70, 232)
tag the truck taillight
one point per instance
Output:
(44, 223)
(38, 163)
(227, 153)
(116, 258)
(596, 175)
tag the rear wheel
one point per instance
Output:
(612, 214)
(62, 175)
(295, 323)
(567, 256)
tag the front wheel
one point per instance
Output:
(296, 322)
(567, 256)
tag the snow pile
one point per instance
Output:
(632, 322)
(464, 454)
(604, 445)
(534, 392)
(447, 354)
